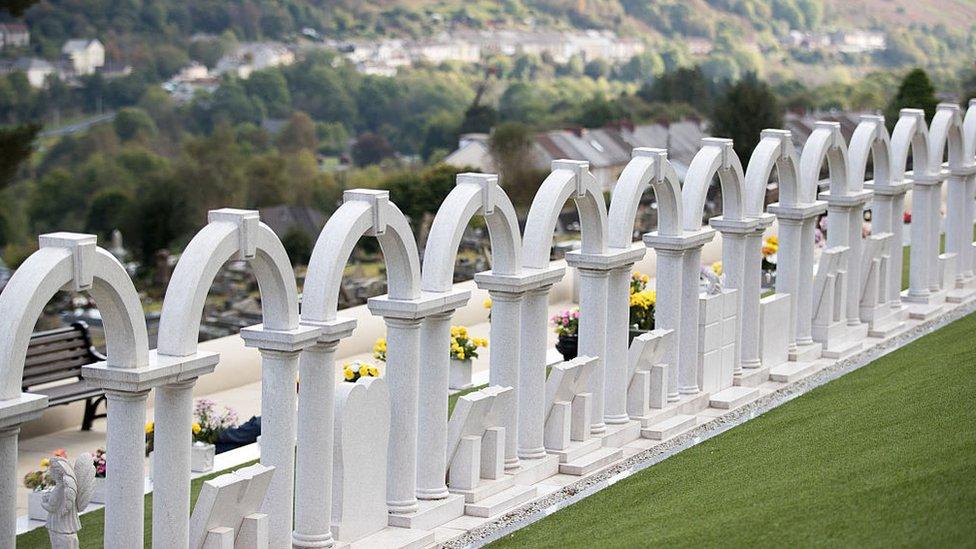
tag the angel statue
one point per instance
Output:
(73, 487)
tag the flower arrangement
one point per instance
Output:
(150, 431)
(101, 463)
(463, 346)
(207, 424)
(567, 322)
(769, 250)
(642, 309)
(41, 479)
(717, 268)
(379, 350)
(352, 371)
(638, 282)
(487, 305)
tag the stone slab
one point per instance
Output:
(501, 502)
(669, 427)
(591, 462)
(960, 295)
(791, 371)
(618, 435)
(432, 513)
(751, 377)
(806, 353)
(577, 449)
(733, 397)
(531, 471)
(394, 538)
(485, 488)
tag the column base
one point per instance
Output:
(536, 470)
(312, 541)
(538, 452)
(431, 494)
(431, 513)
(616, 419)
(598, 428)
(924, 307)
(960, 294)
(615, 436)
(806, 352)
(751, 377)
(512, 464)
(403, 507)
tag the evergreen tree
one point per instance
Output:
(747, 108)
(915, 92)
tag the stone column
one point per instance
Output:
(804, 303)
(887, 217)
(959, 222)
(741, 272)
(313, 456)
(751, 294)
(279, 399)
(681, 270)
(924, 260)
(13, 413)
(171, 463)
(435, 355)
(530, 375)
(615, 358)
(667, 310)
(403, 375)
(124, 477)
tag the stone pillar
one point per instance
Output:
(125, 444)
(887, 217)
(313, 455)
(615, 357)
(667, 310)
(924, 260)
(13, 413)
(959, 222)
(403, 375)
(750, 295)
(794, 270)
(681, 270)
(593, 335)
(280, 350)
(435, 355)
(530, 375)
(742, 273)
(171, 463)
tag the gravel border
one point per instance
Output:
(538, 509)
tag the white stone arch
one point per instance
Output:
(946, 137)
(910, 134)
(230, 234)
(969, 131)
(775, 150)
(70, 261)
(568, 179)
(474, 193)
(826, 143)
(870, 139)
(364, 212)
(647, 168)
(715, 157)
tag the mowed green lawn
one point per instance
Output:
(884, 456)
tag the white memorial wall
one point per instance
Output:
(344, 465)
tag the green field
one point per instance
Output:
(884, 456)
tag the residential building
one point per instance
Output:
(14, 35)
(83, 55)
(37, 70)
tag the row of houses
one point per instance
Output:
(79, 57)
(243, 61)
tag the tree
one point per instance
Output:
(915, 92)
(298, 246)
(16, 146)
(298, 134)
(598, 111)
(598, 68)
(271, 88)
(510, 146)
(441, 134)
(370, 148)
(132, 122)
(748, 107)
(479, 119)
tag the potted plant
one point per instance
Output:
(98, 493)
(40, 482)
(567, 328)
(642, 302)
(353, 371)
(207, 426)
(463, 348)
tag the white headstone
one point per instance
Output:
(225, 502)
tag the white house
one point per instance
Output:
(14, 35)
(37, 70)
(84, 56)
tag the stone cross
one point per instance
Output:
(227, 514)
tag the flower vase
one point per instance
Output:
(98, 492)
(460, 374)
(568, 346)
(35, 508)
(202, 457)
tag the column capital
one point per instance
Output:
(522, 282)
(849, 200)
(735, 226)
(686, 241)
(126, 396)
(892, 188)
(966, 170)
(429, 303)
(293, 340)
(331, 331)
(799, 211)
(613, 258)
(162, 370)
(930, 179)
(24, 408)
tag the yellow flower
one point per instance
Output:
(150, 427)
(774, 240)
(363, 370)
(348, 374)
(45, 462)
(196, 428)
(717, 268)
(460, 354)
(486, 303)
(374, 371)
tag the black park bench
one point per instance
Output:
(57, 356)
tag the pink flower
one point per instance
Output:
(576, 314)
